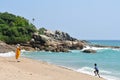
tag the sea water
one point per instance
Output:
(108, 60)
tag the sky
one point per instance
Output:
(82, 19)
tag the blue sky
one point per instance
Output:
(82, 19)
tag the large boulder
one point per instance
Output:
(38, 39)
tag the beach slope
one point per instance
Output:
(29, 69)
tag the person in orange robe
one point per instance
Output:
(18, 52)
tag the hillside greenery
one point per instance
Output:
(15, 29)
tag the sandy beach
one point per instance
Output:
(29, 69)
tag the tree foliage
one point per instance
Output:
(41, 30)
(15, 29)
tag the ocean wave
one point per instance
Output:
(90, 70)
(75, 51)
(99, 48)
(94, 48)
(87, 70)
(103, 73)
(116, 49)
(107, 75)
(8, 54)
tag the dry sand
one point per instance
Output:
(29, 69)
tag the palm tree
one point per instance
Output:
(33, 19)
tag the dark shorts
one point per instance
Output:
(97, 71)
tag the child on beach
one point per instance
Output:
(96, 70)
(17, 53)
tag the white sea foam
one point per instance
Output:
(8, 54)
(116, 49)
(87, 70)
(23, 50)
(105, 72)
(107, 77)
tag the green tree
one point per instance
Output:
(15, 29)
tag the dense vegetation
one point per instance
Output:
(15, 29)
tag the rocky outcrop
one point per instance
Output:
(5, 47)
(89, 51)
(55, 41)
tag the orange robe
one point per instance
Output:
(17, 53)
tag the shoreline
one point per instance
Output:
(34, 70)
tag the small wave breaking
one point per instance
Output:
(99, 48)
(103, 73)
(8, 54)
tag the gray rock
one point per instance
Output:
(5, 47)
(55, 41)
(58, 35)
(89, 51)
